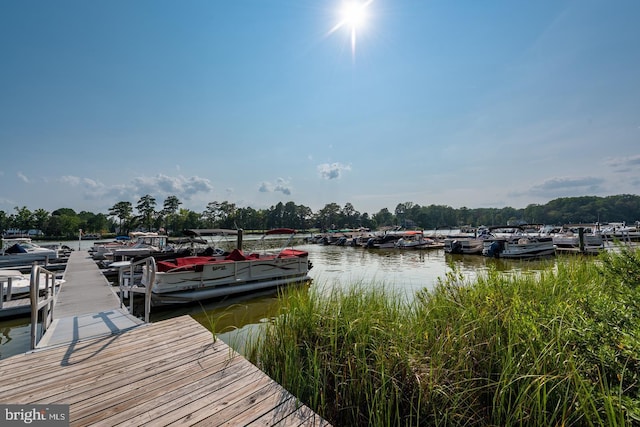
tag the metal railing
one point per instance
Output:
(44, 303)
(6, 285)
(129, 284)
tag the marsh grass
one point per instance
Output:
(559, 348)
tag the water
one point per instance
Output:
(234, 319)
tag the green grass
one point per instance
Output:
(558, 348)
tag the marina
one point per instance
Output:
(99, 359)
(236, 316)
(112, 368)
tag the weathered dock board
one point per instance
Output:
(167, 373)
(87, 305)
(85, 290)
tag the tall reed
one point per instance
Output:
(559, 348)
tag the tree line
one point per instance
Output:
(124, 217)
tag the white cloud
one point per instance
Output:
(333, 170)
(168, 185)
(73, 181)
(281, 185)
(23, 177)
(158, 186)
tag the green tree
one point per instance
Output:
(228, 215)
(23, 219)
(383, 217)
(4, 221)
(304, 214)
(64, 223)
(290, 215)
(170, 207)
(122, 211)
(98, 223)
(146, 208)
(41, 218)
(329, 216)
(189, 219)
(350, 216)
(212, 214)
(275, 216)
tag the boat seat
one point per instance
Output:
(164, 266)
(236, 255)
(193, 260)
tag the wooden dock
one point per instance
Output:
(167, 373)
(112, 370)
(87, 305)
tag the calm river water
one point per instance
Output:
(234, 318)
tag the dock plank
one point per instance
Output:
(167, 372)
(109, 348)
(82, 273)
(151, 384)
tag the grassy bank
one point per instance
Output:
(561, 348)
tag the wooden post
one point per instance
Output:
(239, 243)
(33, 295)
(581, 239)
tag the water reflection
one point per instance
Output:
(15, 336)
(235, 319)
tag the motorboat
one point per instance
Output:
(468, 243)
(382, 241)
(417, 240)
(22, 251)
(102, 250)
(514, 243)
(142, 244)
(620, 231)
(194, 278)
(136, 244)
(578, 239)
(16, 284)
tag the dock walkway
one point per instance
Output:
(166, 373)
(87, 305)
(112, 369)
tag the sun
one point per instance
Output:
(353, 16)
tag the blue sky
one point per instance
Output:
(459, 103)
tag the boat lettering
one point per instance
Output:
(218, 267)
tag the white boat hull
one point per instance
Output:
(24, 259)
(224, 277)
(223, 290)
(519, 248)
(467, 246)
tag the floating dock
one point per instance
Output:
(112, 369)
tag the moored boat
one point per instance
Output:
(22, 252)
(193, 278)
(16, 284)
(581, 239)
(467, 243)
(417, 240)
(516, 244)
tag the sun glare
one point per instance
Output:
(353, 16)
